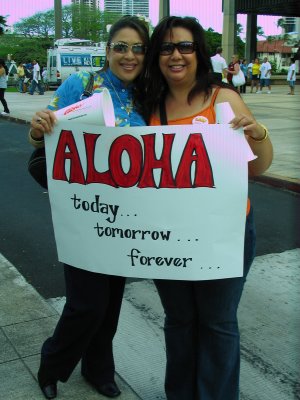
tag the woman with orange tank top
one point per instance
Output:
(201, 327)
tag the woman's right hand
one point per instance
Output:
(42, 122)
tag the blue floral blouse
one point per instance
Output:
(72, 88)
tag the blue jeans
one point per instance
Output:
(202, 335)
(33, 87)
(21, 82)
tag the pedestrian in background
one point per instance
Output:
(244, 68)
(255, 75)
(250, 65)
(36, 79)
(201, 327)
(21, 76)
(3, 85)
(233, 69)
(265, 76)
(45, 77)
(219, 65)
(90, 317)
(27, 79)
(291, 76)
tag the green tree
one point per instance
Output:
(86, 23)
(280, 23)
(77, 21)
(43, 24)
(271, 38)
(25, 49)
(39, 24)
(67, 29)
(2, 24)
(213, 40)
(91, 23)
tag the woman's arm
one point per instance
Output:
(235, 71)
(256, 134)
(43, 121)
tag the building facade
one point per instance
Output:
(90, 3)
(125, 7)
(291, 25)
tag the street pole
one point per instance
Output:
(58, 19)
(229, 29)
(164, 8)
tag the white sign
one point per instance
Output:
(150, 202)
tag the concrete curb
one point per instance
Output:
(277, 181)
(15, 119)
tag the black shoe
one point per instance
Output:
(48, 388)
(108, 389)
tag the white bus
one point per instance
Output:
(72, 55)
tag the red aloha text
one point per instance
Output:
(194, 169)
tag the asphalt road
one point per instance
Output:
(26, 233)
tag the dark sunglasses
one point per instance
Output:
(123, 48)
(168, 48)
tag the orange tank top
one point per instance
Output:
(208, 112)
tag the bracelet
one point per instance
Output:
(266, 135)
(35, 141)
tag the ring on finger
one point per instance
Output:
(38, 120)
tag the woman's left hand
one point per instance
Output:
(250, 126)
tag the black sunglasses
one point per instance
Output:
(168, 48)
(123, 48)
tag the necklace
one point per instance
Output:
(127, 108)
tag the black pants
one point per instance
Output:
(243, 87)
(86, 327)
(218, 76)
(3, 101)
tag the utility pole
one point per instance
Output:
(58, 19)
(164, 8)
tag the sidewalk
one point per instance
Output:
(268, 312)
(26, 320)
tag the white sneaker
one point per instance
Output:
(269, 91)
(258, 92)
(4, 113)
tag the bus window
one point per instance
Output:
(98, 61)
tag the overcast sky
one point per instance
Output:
(208, 12)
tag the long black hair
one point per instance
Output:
(2, 64)
(154, 83)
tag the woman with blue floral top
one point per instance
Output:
(89, 320)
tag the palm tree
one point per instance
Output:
(239, 28)
(260, 31)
